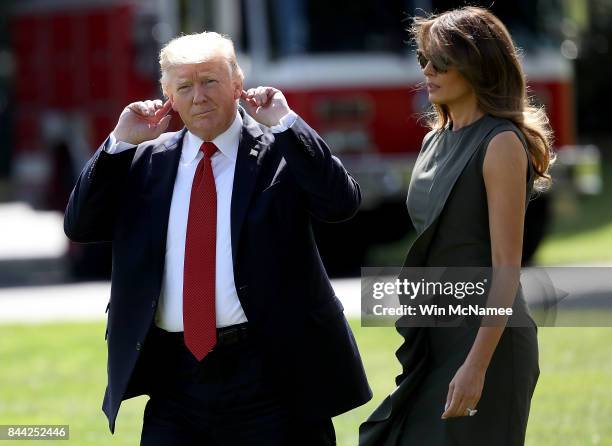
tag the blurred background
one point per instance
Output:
(68, 67)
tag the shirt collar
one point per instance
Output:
(226, 142)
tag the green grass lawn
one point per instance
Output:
(582, 231)
(55, 374)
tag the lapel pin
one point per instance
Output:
(253, 152)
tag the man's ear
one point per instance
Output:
(238, 84)
(171, 98)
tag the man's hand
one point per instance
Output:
(143, 121)
(266, 105)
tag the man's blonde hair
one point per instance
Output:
(197, 48)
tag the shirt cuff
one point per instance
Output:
(285, 122)
(113, 146)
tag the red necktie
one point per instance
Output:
(199, 317)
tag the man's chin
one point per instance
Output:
(203, 129)
(203, 123)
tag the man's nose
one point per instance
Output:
(199, 94)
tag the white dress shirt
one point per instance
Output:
(169, 315)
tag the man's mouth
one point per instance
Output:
(202, 113)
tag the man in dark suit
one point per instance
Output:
(220, 308)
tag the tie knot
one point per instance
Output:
(209, 149)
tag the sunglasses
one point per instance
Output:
(440, 65)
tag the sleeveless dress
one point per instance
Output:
(447, 203)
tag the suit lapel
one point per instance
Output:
(248, 163)
(164, 165)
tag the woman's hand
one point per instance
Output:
(464, 390)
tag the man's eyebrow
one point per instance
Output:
(200, 74)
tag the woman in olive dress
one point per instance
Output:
(487, 150)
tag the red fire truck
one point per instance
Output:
(345, 66)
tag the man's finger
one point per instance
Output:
(258, 98)
(264, 96)
(260, 90)
(138, 108)
(167, 106)
(164, 123)
(261, 95)
(135, 106)
(271, 92)
(163, 111)
(248, 99)
(149, 107)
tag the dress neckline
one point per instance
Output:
(449, 126)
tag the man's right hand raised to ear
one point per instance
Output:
(143, 121)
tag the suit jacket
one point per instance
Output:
(297, 321)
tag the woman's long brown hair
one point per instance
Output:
(477, 43)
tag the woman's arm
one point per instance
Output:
(504, 170)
